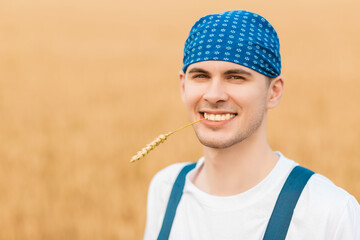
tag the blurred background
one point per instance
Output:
(85, 84)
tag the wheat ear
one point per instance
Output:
(157, 141)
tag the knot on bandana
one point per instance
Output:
(240, 37)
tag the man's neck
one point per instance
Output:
(235, 169)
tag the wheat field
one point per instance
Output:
(84, 85)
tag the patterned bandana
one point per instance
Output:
(240, 37)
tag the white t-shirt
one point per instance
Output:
(324, 211)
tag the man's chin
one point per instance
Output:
(217, 144)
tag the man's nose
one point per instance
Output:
(215, 92)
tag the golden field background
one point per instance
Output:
(86, 84)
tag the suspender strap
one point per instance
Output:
(174, 200)
(280, 219)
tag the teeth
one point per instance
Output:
(218, 117)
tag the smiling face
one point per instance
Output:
(233, 100)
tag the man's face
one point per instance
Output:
(233, 100)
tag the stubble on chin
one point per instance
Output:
(218, 143)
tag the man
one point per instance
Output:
(240, 188)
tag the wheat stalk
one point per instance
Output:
(157, 141)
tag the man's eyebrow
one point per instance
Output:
(198, 70)
(238, 71)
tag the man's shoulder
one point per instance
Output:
(328, 207)
(168, 174)
(321, 195)
(165, 178)
(321, 188)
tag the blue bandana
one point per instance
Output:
(240, 37)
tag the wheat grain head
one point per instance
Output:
(160, 139)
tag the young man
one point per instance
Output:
(240, 188)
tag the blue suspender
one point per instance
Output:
(174, 200)
(280, 218)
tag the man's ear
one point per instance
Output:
(182, 84)
(276, 90)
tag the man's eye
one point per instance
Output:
(200, 76)
(236, 77)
